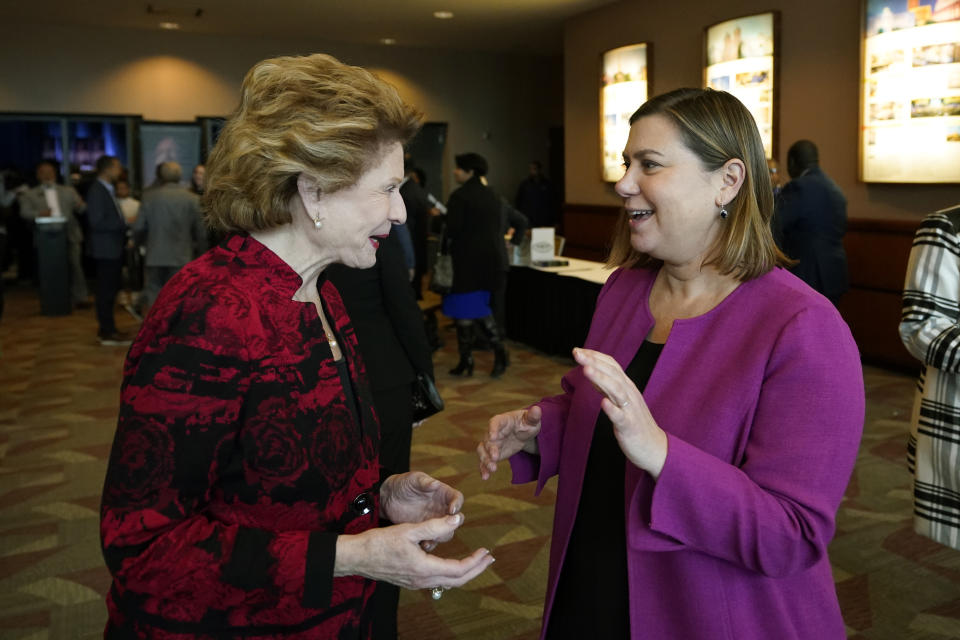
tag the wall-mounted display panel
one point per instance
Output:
(741, 59)
(910, 115)
(169, 142)
(624, 86)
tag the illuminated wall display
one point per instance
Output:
(169, 142)
(741, 59)
(625, 85)
(910, 115)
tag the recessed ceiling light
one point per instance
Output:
(387, 41)
(169, 25)
(443, 15)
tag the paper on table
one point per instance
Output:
(541, 244)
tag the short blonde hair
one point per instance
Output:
(308, 115)
(717, 127)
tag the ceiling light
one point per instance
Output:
(387, 41)
(443, 15)
(170, 25)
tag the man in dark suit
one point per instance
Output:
(105, 241)
(811, 219)
(536, 198)
(419, 212)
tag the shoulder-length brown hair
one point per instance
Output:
(717, 127)
(305, 114)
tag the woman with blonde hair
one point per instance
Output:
(243, 495)
(705, 440)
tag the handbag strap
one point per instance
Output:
(443, 248)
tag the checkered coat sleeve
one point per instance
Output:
(930, 329)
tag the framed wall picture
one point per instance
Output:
(910, 91)
(169, 141)
(741, 58)
(624, 86)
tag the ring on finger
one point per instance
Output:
(436, 593)
(624, 404)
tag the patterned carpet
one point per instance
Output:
(58, 397)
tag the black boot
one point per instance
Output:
(500, 361)
(500, 357)
(464, 346)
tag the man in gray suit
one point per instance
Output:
(51, 200)
(171, 227)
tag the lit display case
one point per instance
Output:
(910, 100)
(169, 142)
(624, 86)
(741, 58)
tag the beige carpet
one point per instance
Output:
(58, 402)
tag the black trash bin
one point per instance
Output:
(53, 266)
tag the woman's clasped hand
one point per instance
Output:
(426, 512)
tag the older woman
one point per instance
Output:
(704, 443)
(242, 496)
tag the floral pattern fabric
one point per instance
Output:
(238, 456)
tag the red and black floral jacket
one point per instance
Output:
(242, 451)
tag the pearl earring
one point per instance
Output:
(317, 222)
(723, 212)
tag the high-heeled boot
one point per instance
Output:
(465, 347)
(501, 359)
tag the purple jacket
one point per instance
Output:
(762, 400)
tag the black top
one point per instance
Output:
(385, 315)
(474, 238)
(592, 599)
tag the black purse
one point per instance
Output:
(426, 398)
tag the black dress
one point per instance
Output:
(393, 343)
(592, 599)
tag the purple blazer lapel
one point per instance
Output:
(620, 323)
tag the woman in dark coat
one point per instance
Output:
(394, 347)
(474, 241)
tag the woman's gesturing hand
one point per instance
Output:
(641, 440)
(395, 555)
(507, 434)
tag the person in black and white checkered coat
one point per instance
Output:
(930, 329)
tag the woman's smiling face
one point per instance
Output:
(673, 202)
(355, 219)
